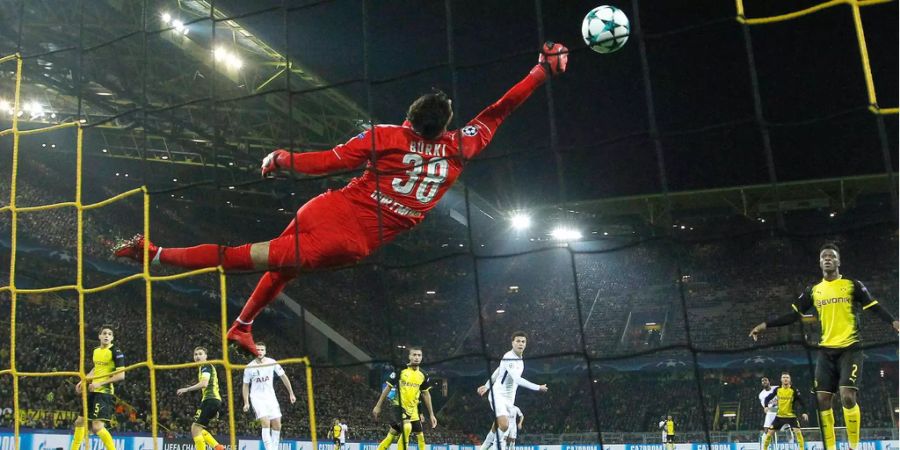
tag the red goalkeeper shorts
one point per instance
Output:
(331, 231)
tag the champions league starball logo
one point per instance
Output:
(469, 131)
(758, 359)
(670, 363)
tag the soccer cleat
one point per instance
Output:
(134, 248)
(240, 334)
(219, 447)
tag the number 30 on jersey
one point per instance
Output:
(426, 185)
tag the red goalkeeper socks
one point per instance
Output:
(269, 286)
(208, 255)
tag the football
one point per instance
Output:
(605, 29)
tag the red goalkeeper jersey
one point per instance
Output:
(407, 174)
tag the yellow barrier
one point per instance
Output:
(81, 290)
(860, 37)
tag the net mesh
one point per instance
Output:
(700, 204)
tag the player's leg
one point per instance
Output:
(768, 439)
(211, 440)
(268, 287)
(489, 439)
(78, 435)
(826, 384)
(850, 363)
(266, 432)
(419, 433)
(798, 436)
(275, 431)
(197, 436)
(393, 433)
(511, 434)
(98, 427)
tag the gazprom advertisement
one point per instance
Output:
(62, 441)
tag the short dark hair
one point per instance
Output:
(429, 114)
(518, 334)
(786, 373)
(200, 347)
(106, 327)
(830, 246)
(260, 344)
(412, 348)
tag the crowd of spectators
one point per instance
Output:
(595, 304)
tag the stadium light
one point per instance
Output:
(520, 221)
(565, 234)
(501, 311)
(166, 17)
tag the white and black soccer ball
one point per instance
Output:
(605, 29)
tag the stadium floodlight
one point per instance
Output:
(501, 311)
(520, 221)
(178, 25)
(6, 106)
(166, 17)
(565, 234)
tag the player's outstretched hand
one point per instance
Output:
(293, 398)
(246, 407)
(482, 390)
(554, 58)
(78, 387)
(271, 163)
(754, 333)
(375, 412)
(805, 417)
(896, 325)
(433, 422)
(542, 388)
(180, 391)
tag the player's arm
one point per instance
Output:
(801, 305)
(520, 421)
(480, 130)
(491, 380)
(426, 398)
(798, 402)
(384, 393)
(521, 381)
(347, 156)
(205, 375)
(862, 296)
(245, 390)
(80, 383)
(286, 381)
(770, 397)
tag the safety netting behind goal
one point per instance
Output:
(635, 218)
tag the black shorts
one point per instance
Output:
(101, 406)
(399, 416)
(670, 438)
(780, 422)
(208, 410)
(838, 367)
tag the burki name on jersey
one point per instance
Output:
(425, 149)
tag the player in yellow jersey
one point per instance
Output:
(335, 433)
(208, 382)
(839, 365)
(787, 397)
(670, 433)
(411, 384)
(101, 398)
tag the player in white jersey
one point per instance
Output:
(344, 430)
(662, 426)
(502, 385)
(514, 428)
(770, 409)
(259, 390)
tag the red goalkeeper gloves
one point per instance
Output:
(275, 160)
(553, 58)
